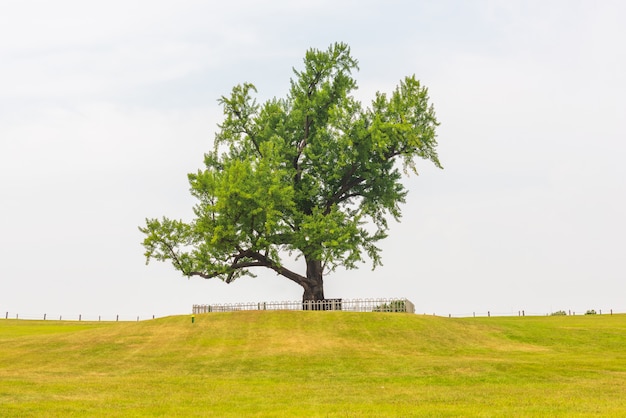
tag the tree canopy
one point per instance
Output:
(313, 175)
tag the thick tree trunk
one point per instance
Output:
(314, 284)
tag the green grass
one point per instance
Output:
(326, 364)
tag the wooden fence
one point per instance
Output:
(350, 305)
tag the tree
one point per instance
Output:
(314, 175)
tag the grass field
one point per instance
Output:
(326, 364)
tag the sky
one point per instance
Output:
(106, 106)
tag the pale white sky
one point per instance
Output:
(106, 106)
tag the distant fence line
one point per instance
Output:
(526, 313)
(350, 305)
(354, 305)
(79, 317)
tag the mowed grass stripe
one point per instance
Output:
(262, 363)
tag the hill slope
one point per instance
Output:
(315, 364)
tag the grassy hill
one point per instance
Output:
(322, 364)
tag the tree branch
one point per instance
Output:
(174, 256)
(295, 277)
(234, 268)
(347, 183)
(255, 259)
(301, 146)
(245, 130)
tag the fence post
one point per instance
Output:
(80, 317)
(117, 318)
(523, 313)
(488, 314)
(7, 317)
(44, 317)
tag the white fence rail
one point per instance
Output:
(350, 305)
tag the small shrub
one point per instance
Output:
(393, 306)
(590, 312)
(558, 313)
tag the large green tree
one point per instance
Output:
(314, 175)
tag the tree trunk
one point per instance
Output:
(314, 284)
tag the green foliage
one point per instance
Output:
(314, 174)
(590, 312)
(558, 313)
(393, 306)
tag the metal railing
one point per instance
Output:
(349, 305)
